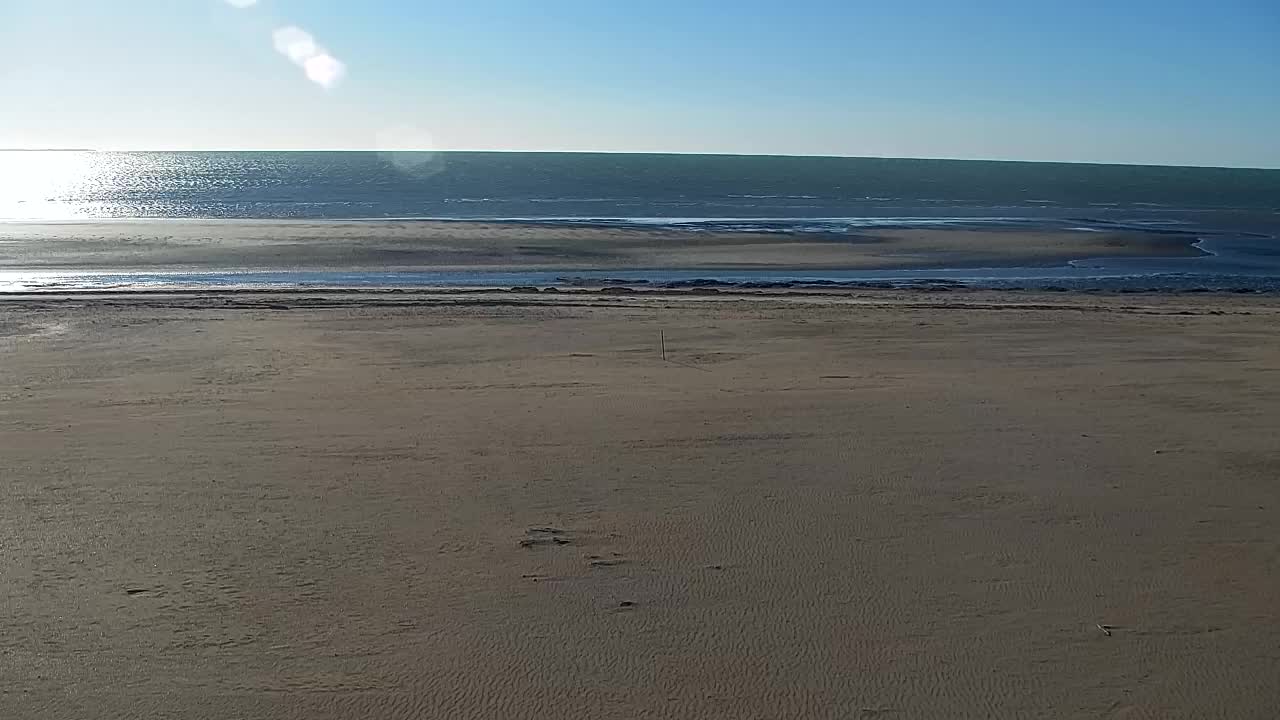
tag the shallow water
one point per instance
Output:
(1029, 278)
(1235, 213)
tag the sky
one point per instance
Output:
(1171, 82)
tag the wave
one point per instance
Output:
(828, 225)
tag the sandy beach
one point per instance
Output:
(509, 505)
(389, 245)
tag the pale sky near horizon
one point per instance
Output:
(1141, 81)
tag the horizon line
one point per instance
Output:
(636, 152)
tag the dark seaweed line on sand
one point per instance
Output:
(296, 300)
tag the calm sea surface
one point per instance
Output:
(1235, 213)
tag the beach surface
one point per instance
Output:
(510, 505)
(445, 245)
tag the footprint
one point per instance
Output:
(536, 536)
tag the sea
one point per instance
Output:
(1232, 215)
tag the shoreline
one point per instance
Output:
(308, 254)
(1186, 302)
(567, 246)
(1120, 285)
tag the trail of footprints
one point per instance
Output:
(547, 536)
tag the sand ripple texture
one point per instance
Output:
(912, 507)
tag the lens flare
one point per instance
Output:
(324, 70)
(242, 3)
(409, 149)
(295, 44)
(301, 48)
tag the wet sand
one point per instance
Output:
(391, 245)
(874, 504)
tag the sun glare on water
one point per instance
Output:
(48, 185)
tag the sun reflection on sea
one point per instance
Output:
(50, 186)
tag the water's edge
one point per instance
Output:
(1052, 279)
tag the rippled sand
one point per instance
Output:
(510, 506)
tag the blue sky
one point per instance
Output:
(1140, 81)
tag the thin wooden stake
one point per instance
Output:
(662, 340)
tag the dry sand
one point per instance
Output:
(885, 505)
(456, 245)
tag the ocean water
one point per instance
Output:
(1233, 213)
